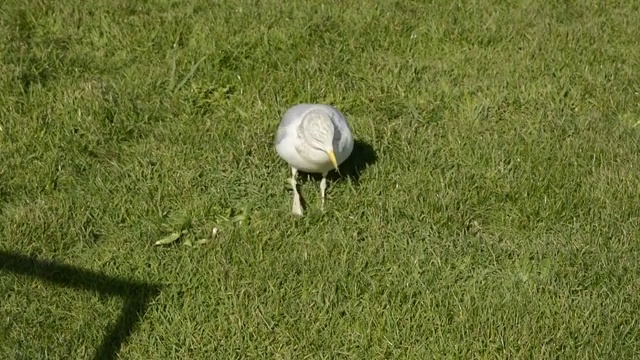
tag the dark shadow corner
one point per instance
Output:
(136, 295)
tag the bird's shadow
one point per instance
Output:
(362, 156)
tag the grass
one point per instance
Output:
(498, 220)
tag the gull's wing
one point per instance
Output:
(343, 135)
(292, 116)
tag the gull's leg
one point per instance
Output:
(297, 205)
(323, 189)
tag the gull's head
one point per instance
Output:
(318, 131)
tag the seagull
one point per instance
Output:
(313, 138)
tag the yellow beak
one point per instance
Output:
(332, 157)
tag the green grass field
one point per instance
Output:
(493, 212)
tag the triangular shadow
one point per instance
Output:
(137, 296)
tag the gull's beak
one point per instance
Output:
(332, 157)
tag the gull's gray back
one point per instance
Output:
(296, 112)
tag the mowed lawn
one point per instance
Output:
(491, 212)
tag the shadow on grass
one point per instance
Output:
(136, 295)
(361, 157)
